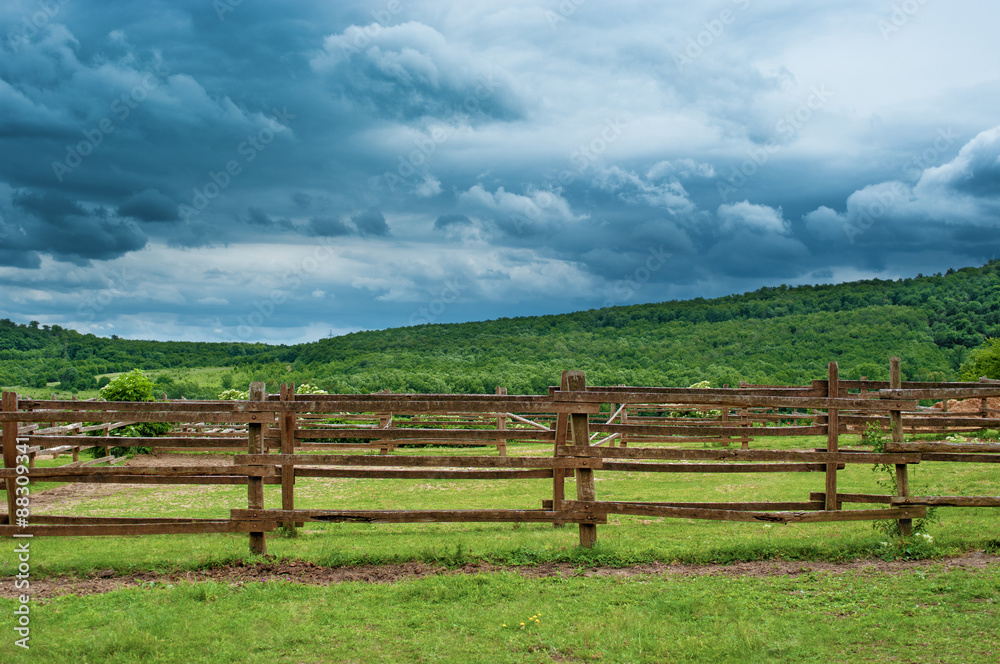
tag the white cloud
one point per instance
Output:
(509, 209)
(630, 187)
(963, 191)
(681, 168)
(747, 216)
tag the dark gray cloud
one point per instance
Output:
(328, 227)
(149, 205)
(370, 222)
(57, 225)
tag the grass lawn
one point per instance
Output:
(922, 615)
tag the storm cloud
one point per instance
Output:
(189, 163)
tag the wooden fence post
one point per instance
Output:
(896, 420)
(385, 422)
(744, 422)
(255, 485)
(288, 447)
(832, 436)
(623, 441)
(10, 453)
(579, 429)
(501, 425)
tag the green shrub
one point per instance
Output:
(132, 386)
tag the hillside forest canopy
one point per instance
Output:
(944, 327)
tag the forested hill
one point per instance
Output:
(780, 335)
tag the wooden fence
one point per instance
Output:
(284, 436)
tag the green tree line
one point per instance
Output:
(773, 335)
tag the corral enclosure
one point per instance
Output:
(283, 436)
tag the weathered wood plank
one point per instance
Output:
(961, 458)
(171, 471)
(717, 467)
(423, 516)
(943, 446)
(810, 516)
(75, 530)
(579, 434)
(666, 394)
(854, 497)
(751, 507)
(255, 487)
(951, 501)
(51, 519)
(288, 447)
(803, 456)
(941, 393)
(366, 473)
(739, 399)
(429, 434)
(164, 479)
(706, 430)
(156, 441)
(832, 436)
(418, 461)
(164, 415)
(412, 404)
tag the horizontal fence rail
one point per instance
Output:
(605, 429)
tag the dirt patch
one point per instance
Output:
(72, 494)
(63, 498)
(969, 405)
(308, 573)
(173, 459)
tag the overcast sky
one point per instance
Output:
(263, 171)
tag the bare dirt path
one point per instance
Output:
(307, 573)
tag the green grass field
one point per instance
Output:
(922, 615)
(925, 616)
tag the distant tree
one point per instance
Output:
(983, 361)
